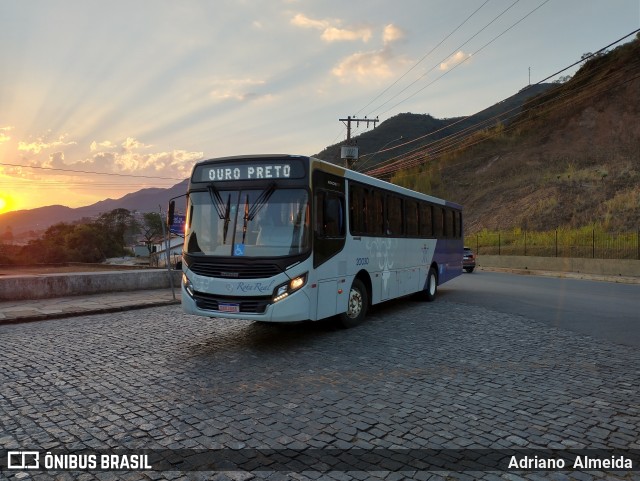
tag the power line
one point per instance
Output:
(484, 121)
(89, 172)
(428, 149)
(511, 127)
(433, 150)
(467, 58)
(445, 58)
(588, 56)
(424, 56)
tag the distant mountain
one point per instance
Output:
(145, 200)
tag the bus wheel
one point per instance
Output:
(429, 294)
(357, 305)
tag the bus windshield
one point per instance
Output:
(248, 223)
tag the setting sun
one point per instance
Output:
(6, 203)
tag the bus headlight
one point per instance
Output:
(187, 285)
(289, 287)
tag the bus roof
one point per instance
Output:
(340, 170)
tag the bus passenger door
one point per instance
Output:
(329, 238)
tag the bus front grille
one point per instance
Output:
(235, 271)
(249, 305)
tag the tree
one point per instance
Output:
(86, 243)
(8, 235)
(116, 226)
(50, 248)
(562, 79)
(151, 229)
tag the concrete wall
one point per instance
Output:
(47, 286)
(605, 267)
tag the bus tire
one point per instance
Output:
(357, 305)
(429, 294)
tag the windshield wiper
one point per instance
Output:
(261, 201)
(227, 218)
(217, 201)
(246, 218)
(225, 214)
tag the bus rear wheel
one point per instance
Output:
(357, 305)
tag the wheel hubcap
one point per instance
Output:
(355, 304)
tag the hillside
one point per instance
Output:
(570, 158)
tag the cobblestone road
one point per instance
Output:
(421, 376)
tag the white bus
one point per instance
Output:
(282, 238)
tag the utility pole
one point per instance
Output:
(348, 121)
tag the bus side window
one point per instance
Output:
(330, 216)
(333, 216)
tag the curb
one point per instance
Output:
(565, 275)
(105, 310)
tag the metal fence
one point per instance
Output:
(558, 243)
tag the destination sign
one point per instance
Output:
(248, 171)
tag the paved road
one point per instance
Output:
(605, 310)
(440, 375)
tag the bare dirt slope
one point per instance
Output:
(571, 159)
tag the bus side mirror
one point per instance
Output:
(170, 212)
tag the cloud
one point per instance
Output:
(56, 160)
(101, 145)
(3, 133)
(301, 20)
(180, 161)
(367, 67)
(363, 64)
(333, 34)
(129, 156)
(41, 144)
(455, 59)
(391, 33)
(131, 143)
(331, 31)
(131, 159)
(236, 89)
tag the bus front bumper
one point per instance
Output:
(293, 308)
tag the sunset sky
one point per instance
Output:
(143, 89)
